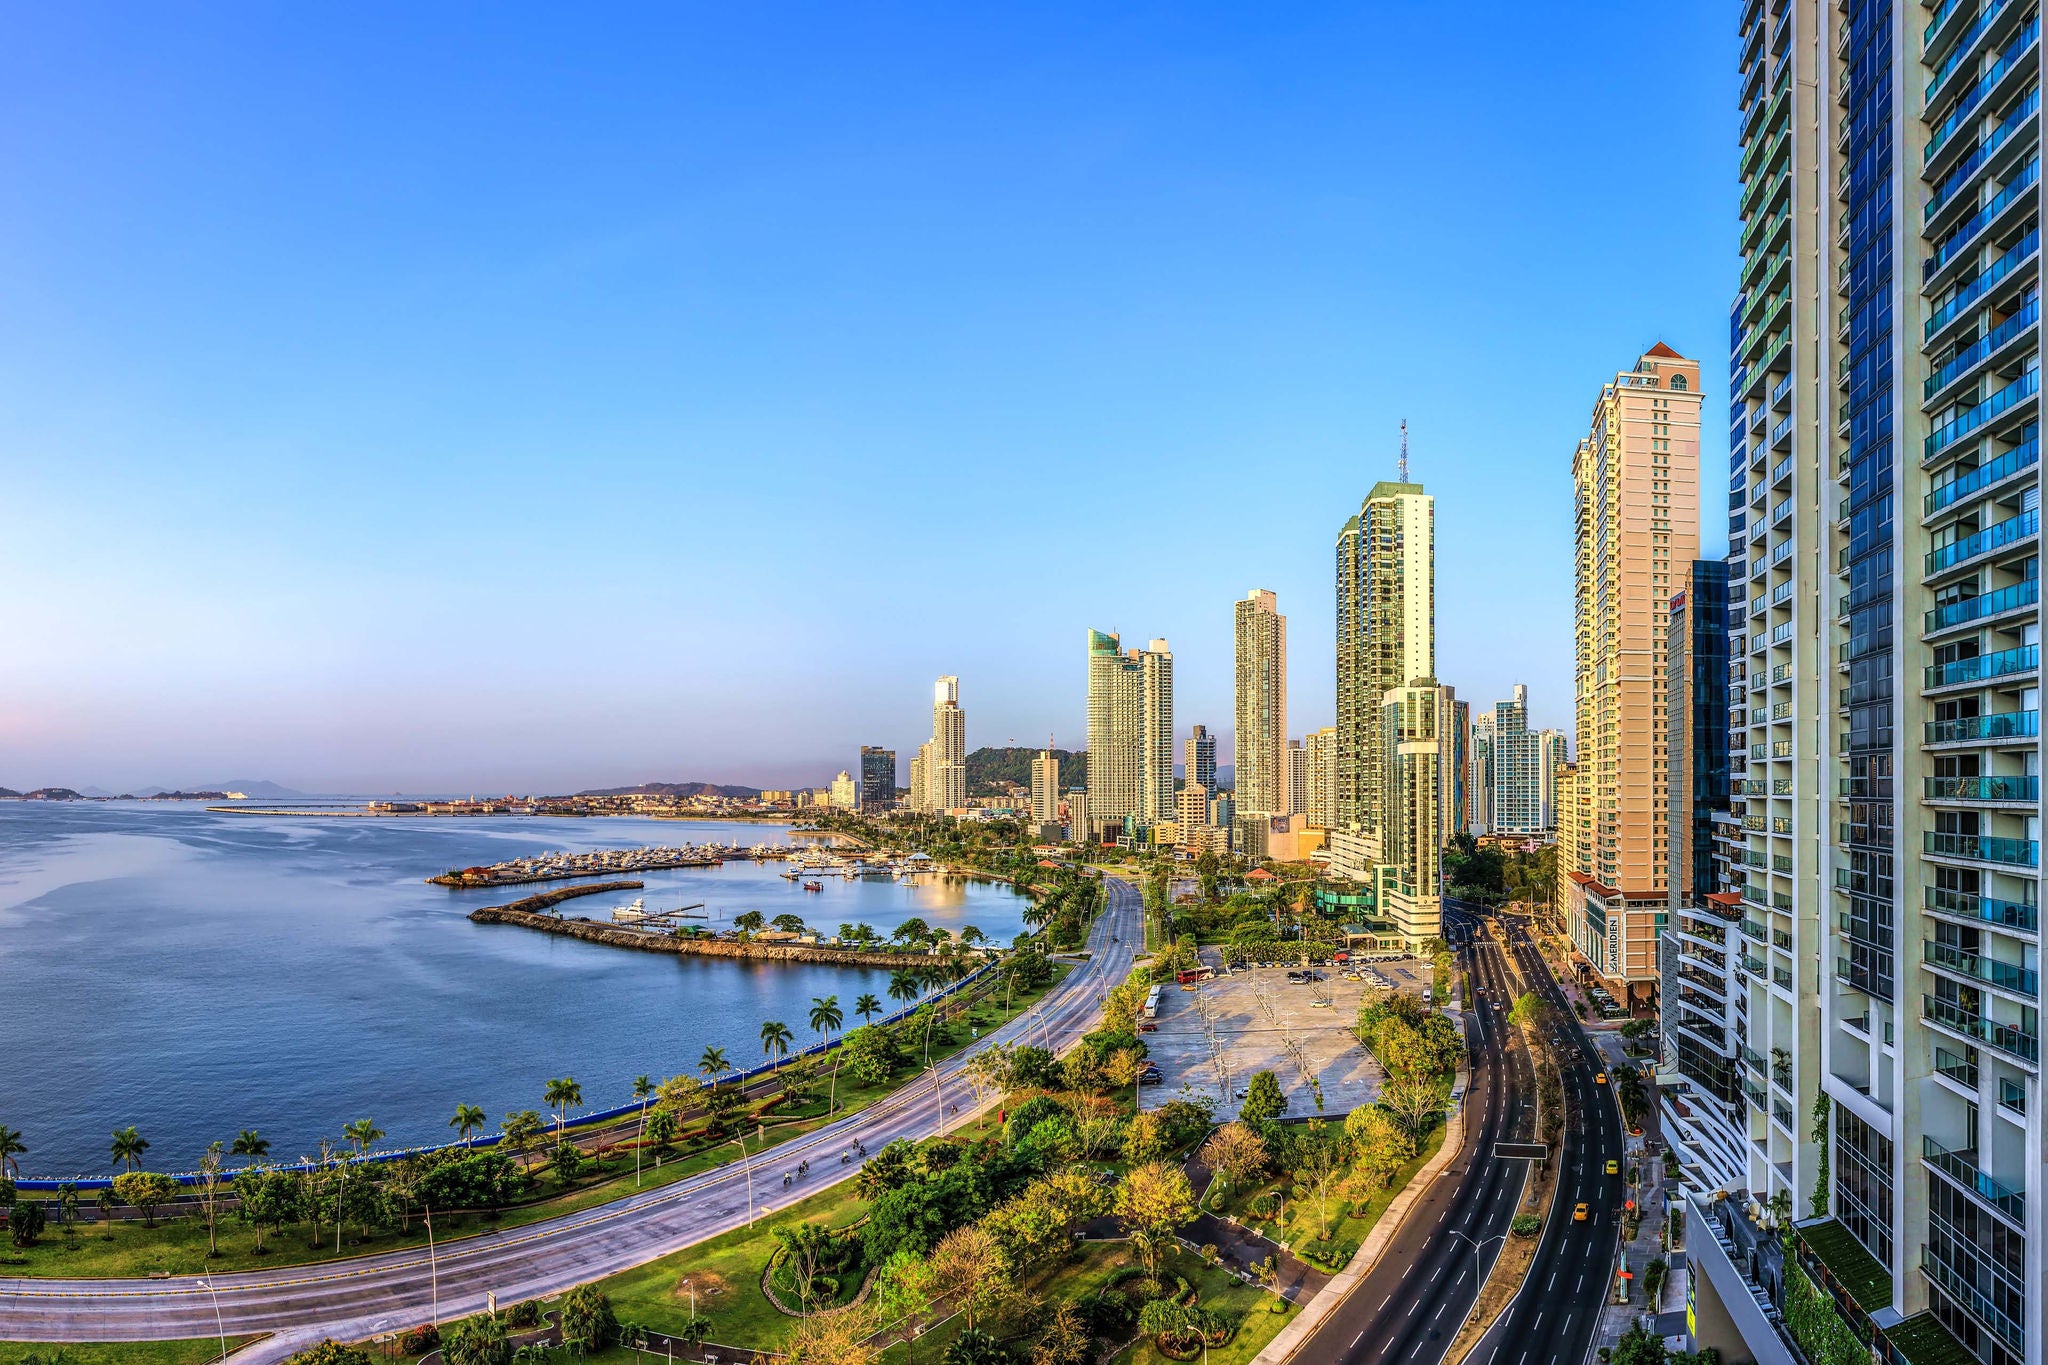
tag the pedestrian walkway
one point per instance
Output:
(1636, 1255)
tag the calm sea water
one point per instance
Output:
(195, 974)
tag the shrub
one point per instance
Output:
(523, 1314)
(25, 1222)
(420, 1340)
(330, 1353)
(1526, 1225)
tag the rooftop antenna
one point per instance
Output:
(1404, 450)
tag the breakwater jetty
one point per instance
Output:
(531, 913)
(555, 867)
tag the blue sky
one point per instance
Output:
(438, 397)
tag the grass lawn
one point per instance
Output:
(178, 1244)
(120, 1352)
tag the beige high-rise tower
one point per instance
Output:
(1635, 479)
(946, 768)
(1130, 730)
(1261, 742)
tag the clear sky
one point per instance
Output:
(523, 398)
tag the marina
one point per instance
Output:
(604, 862)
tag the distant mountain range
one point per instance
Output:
(991, 771)
(267, 790)
(678, 789)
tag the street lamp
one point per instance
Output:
(433, 1266)
(1476, 1267)
(218, 1326)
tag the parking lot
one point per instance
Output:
(1213, 1038)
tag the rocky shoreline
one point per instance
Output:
(619, 936)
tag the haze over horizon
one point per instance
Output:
(449, 402)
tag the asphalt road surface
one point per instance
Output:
(358, 1298)
(1558, 1311)
(1410, 1305)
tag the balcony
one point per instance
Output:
(2020, 789)
(1961, 1070)
(1960, 117)
(1969, 295)
(1942, 196)
(2004, 975)
(1988, 729)
(2006, 1038)
(1977, 352)
(1983, 668)
(1962, 1168)
(1964, 237)
(1985, 605)
(1987, 541)
(1992, 408)
(1984, 848)
(1953, 62)
(1967, 905)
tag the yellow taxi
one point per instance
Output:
(1614, 1168)
(1579, 1213)
(1599, 1078)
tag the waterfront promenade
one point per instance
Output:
(373, 1294)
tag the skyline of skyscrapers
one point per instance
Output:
(1130, 731)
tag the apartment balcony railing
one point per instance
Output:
(1962, 1168)
(1985, 848)
(1994, 537)
(1983, 788)
(1961, 1070)
(1968, 295)
(1977, 352)
(1754, 966)
(1970, 1024)
(2019, 595)
(1977, 729)
(2003, 975)
(1959, 117)
(1967, 168)
(2021, 389)
(1985, 667)
(1953, 62)
(1991, 910)
(1974, 1299)
(1964, 237)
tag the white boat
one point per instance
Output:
(631, 914)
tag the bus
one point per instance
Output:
(1194, 974)
(1152, 1003)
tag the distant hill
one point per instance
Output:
(7, 792)
(988, 769)
(677, 789)
(53, 794)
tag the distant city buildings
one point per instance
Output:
(1045, 788)
(938, 774)
(1320, 758)
(1296, 786)
(1201, 758)
(877, 778)
(1261, 739)
(844, 793)
(1130, 731)
(1514, 770)
(1635, 478)
(1078, 828)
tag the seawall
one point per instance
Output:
(618, 936)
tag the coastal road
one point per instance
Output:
(1555, 1316)
(358, 1298)
(1409, 1306)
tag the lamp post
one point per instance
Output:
(218, 1325)
(1497, 1237)
(433, 1266)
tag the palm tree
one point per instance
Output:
(775, 1036)
(904, 986)
(826, 1019)
(713, 1064)
(11, 1146)
(469, 1118)
(562, 1095)
(867, 1007)
(643, 1086)
(361, 1134)
(128, 1147)
(251, 1144)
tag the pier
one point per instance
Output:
(684, 944)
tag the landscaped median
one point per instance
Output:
(1298, 1331)
(117, 1353)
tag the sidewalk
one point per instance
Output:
(1636, 1255)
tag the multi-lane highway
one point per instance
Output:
(357, 1298)
(1557, 1313)
(1410, 1305)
